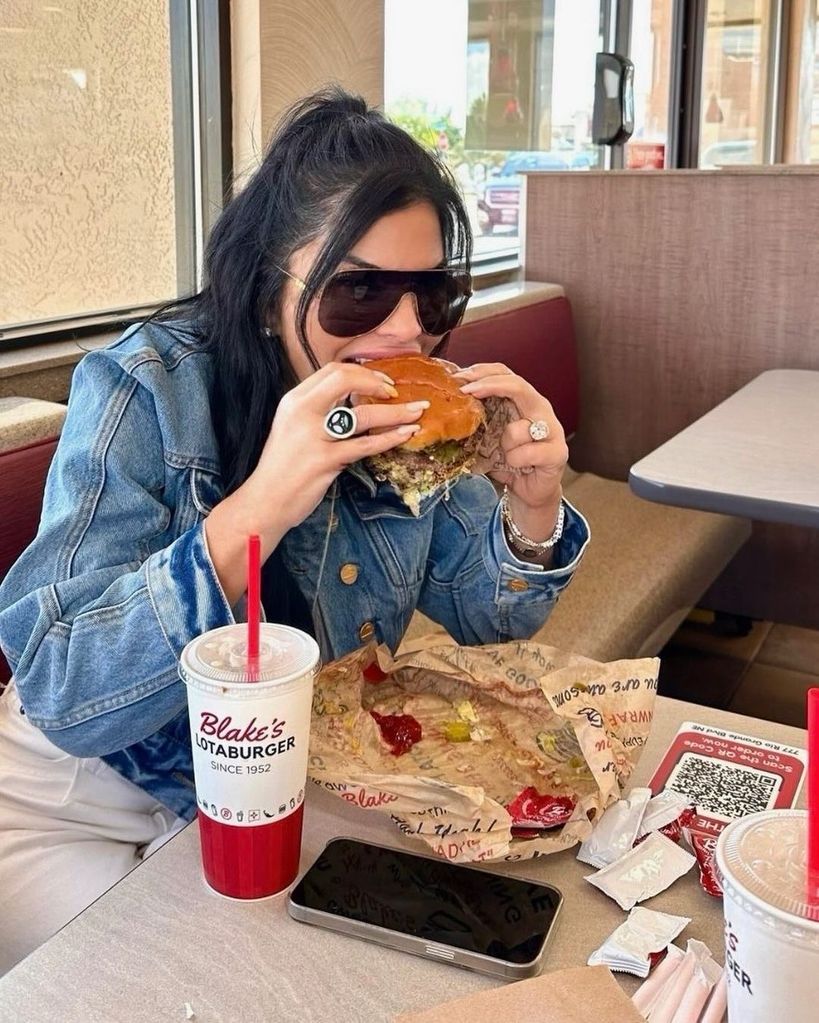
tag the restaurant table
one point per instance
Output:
(159, 938)
(755, 455)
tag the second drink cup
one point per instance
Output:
(771, 929)
(250, 733)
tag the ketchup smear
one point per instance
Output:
(373, 673)
(530, 809)
(401, 731)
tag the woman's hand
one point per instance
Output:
(531, 469)
(300, 461)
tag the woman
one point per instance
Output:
(202, 427)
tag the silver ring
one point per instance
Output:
(340, 423)
(538, 429)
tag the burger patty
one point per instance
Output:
(414, 474)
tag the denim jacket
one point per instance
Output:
(97, 610)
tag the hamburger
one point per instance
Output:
(444, 448)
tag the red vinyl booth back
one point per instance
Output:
(536, 341)
(22, 480)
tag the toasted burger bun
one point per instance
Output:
(452, 415)
(440, 452)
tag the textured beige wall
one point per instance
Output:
(86, 157)
(307, 43)
(282, 50)
(246, 99)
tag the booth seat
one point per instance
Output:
(647, 564)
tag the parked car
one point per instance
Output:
(726, 154)
(499, 202)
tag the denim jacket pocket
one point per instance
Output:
(206, 490)
(193, 494)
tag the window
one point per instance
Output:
(814, 107)
(495, 87)
(737, 101)
(100, 172)
(652, 30)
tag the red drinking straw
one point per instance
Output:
(813, 795)
(254, 579)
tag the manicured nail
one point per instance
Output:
(408, 430)
(417, 406)
(384, 377)
(469, 388)
(391, 391)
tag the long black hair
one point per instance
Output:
(332, 169)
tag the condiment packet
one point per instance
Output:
(650, 990)
(616, 830)
(629, 947)
(529, 809)
(677, 830)
(664, 808)
(644, 871)
(718, 1002)
(705, 975)
(680, 987)
(705, 849)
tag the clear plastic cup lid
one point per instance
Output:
(220, 656)
(766, 854)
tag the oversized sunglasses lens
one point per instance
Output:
(357, 301)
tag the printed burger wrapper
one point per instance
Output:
(485, 443)
(500, 726)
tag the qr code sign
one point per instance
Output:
(723, 789)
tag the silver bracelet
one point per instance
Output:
(524, 544)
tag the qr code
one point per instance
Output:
(723, 789)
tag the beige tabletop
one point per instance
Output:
(160, 939)
(755, 455)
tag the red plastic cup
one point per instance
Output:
(250, 732)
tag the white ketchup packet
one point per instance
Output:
(616, 831)
(646, 870)
(664, 808)
(629, 947)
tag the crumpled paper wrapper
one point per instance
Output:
(484, 444)
(560, 723)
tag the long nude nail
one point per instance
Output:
(410, 428)
(417, 406)
(391, 391)
(384, 377)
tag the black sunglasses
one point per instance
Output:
(354, 302)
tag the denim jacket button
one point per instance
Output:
(517, 585)
(348, 573)
(366, 632)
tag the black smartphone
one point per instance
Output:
(482, 921)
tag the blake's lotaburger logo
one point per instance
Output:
(217, 736)
(223, 728)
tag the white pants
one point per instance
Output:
(70, 828)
